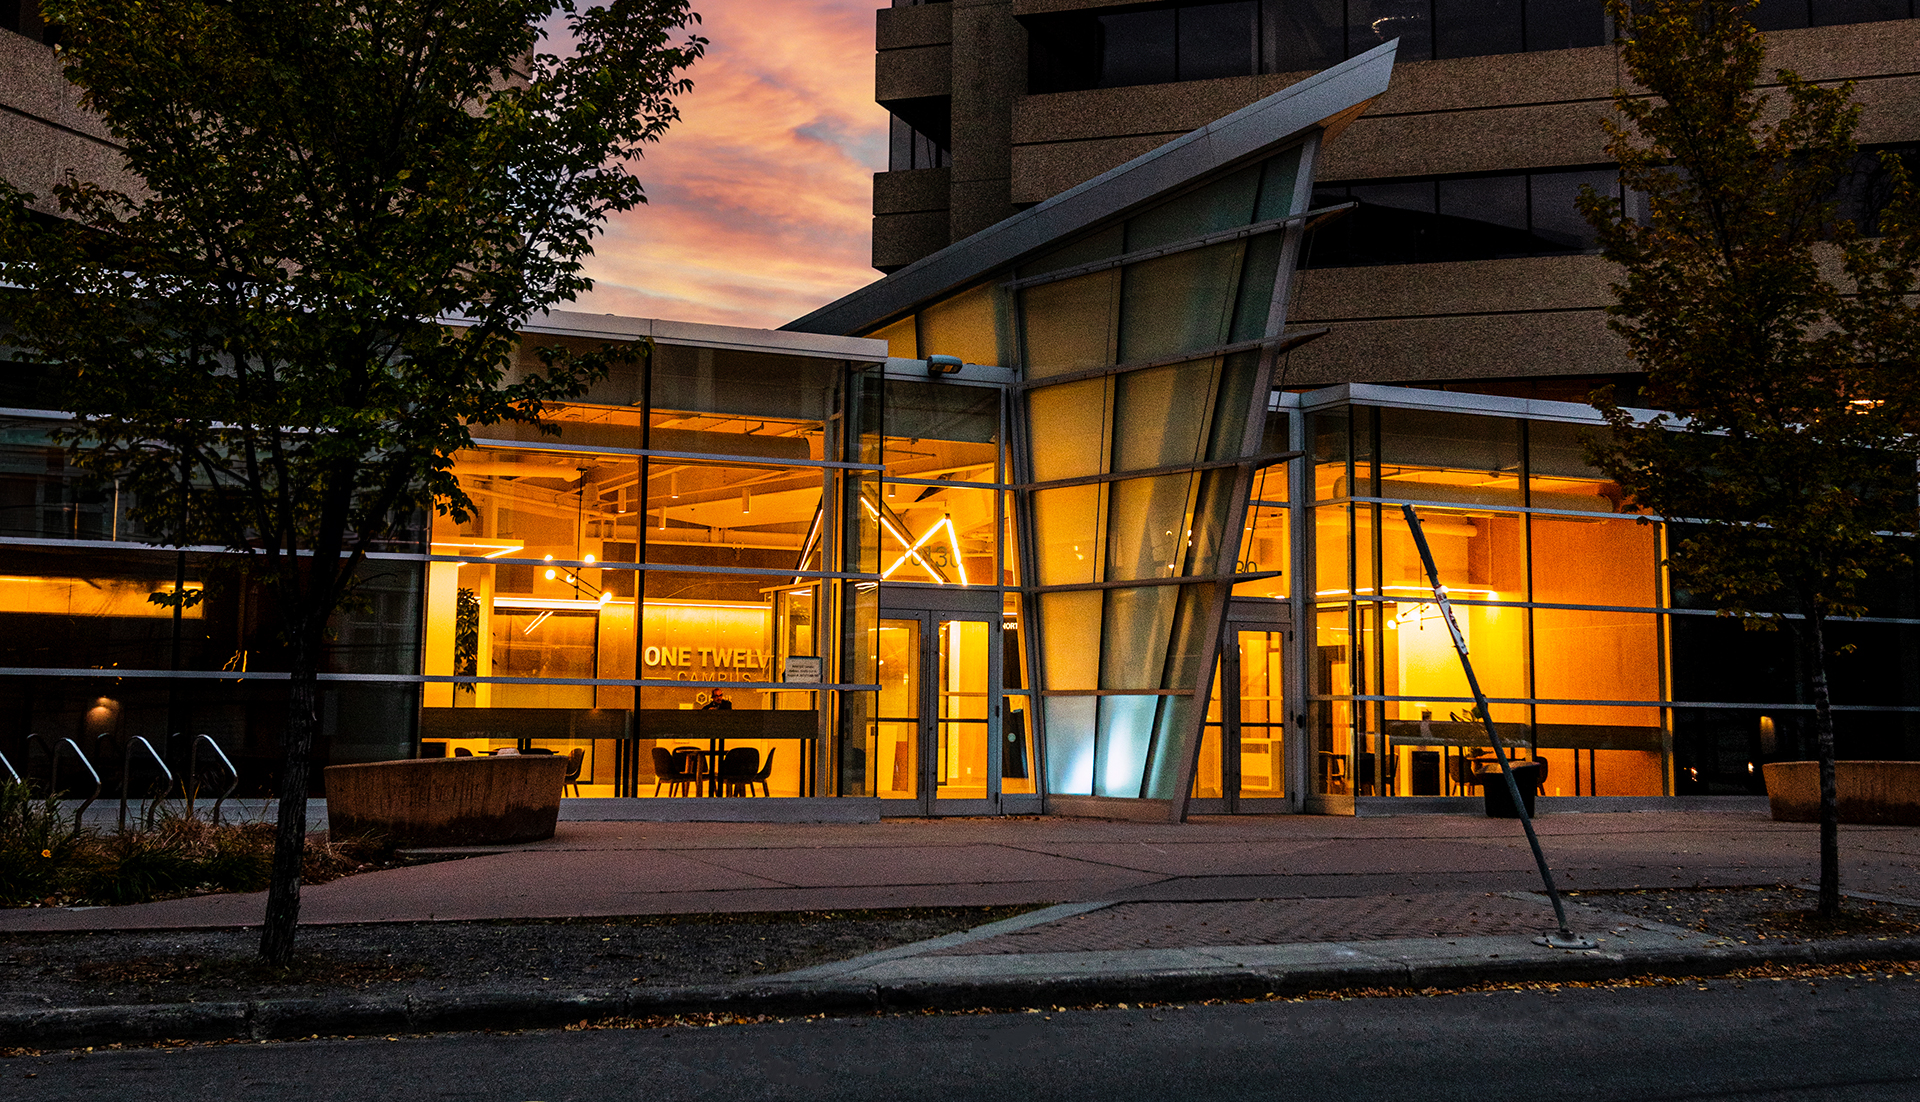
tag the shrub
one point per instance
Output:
(45, 859)
(36, 845)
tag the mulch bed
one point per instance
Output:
(1761, 915)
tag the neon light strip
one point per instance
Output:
(911, 548)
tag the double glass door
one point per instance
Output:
(934, 734)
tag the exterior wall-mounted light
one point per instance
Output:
(943, 365)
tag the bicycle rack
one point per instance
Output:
(126, 777)
(193, 764)
(53, 770)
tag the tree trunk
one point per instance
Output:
(290, 833)
(1829, 788)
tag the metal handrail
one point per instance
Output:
(193, 764)
(126, 777)
(11, 771)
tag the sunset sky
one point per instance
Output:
(760, 198)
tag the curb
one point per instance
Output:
(436, 1012)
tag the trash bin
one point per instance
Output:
(1529, 776)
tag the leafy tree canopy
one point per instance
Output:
(1779, 335)
(1776, 332)
(279, 325)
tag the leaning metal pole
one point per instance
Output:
(1564, 938)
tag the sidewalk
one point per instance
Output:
(1215, 908)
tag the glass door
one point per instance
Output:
(893, 741)
(933, 735)
(1244, 741)
(964, 710)
(1258, 658)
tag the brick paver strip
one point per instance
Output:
(1272, 922)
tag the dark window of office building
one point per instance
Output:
(1782, 15)
(1302, 35)
(1070, 51)
(1219, 40)
(910, 149)
(1429, 220)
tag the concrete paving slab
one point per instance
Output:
(876, 865)
(1217, 858)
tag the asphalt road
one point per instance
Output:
(1756, 1040)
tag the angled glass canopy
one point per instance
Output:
(1138, 318)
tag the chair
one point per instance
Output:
(1389, 770)
(672, 770)
(462, 752)
(760, 778)
(575, 761)
(738, 769)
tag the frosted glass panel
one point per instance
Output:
(1069, 324)
(1278, 178)
(1147, 525)
(1126, 731)
(1258, 273)
(1070, 639)
(1169, 750)
(1221, 205)
(1067, 522)
(1070, 744)
(1138, 622)
(1179, 303)
(1229, 436)
(1107, 243)
(1160, 415)
(962, 326)
(1069, 429)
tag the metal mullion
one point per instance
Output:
(1014, 430)
(665, 567)
(944, 482)
(1253, 461)
(1188, 579)
(1124, 692)
(709, 458)
(1218, 237)
(1283, 342)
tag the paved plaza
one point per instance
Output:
(594, 869)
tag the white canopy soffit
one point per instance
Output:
(1326, 101)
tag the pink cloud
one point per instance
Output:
(759, 199)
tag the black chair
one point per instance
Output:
(738, 769)
(760, 778)
(576, 760)
(1389, 769)
(672, 770)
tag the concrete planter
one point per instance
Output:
(1870, 791)
(448, 801)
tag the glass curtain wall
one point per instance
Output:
(674, 587)
(1558, 596)
(88, 654)
(1142, 346)
(1591, 664)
